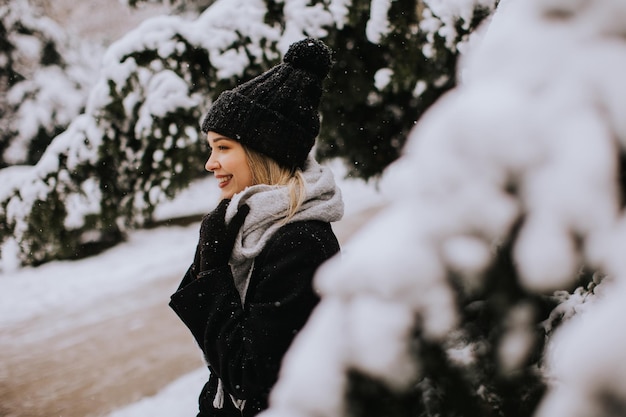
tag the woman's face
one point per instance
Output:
(229, 164)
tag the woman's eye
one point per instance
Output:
(217, 147)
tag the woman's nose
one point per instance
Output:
(211, 164)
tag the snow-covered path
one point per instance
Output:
(74, 352)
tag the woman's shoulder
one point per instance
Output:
(310, 233)
(310, 228)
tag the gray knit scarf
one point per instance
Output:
(269, 205)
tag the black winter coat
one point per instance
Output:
(244, 345)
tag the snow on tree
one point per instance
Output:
(137, 142)
(44, 79)
(381, 88)
(509, 189)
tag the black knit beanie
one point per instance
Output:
(276, 113)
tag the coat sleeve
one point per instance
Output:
(245, 345)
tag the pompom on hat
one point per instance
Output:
(276, 113)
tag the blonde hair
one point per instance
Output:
(267, 171)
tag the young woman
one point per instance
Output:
(249, 290)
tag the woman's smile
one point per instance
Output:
(223, 180)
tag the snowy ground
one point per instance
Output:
(65, 301)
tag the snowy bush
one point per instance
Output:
(44, 79)
(137, 142)
(507, 201)
(394, 59)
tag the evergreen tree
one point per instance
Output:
(391, 66)
(44, 78)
